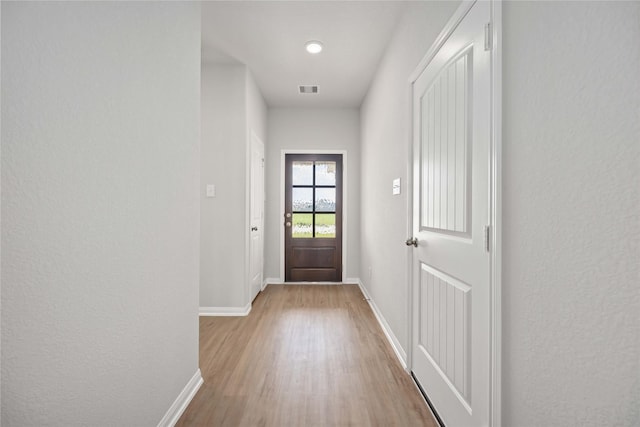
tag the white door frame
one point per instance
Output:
(254, 136)
(247, 216)
(495, 194)
(283, 154)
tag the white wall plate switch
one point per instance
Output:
(396, 186)
(211, 190)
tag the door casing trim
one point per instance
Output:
(247, 263)
(495, 195)
(345, 215)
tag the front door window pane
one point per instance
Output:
(325, 225)
(302, 173)
(302, 199)
(325, 173)
(302, 226)
(325, 199)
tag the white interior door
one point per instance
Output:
(257, 215)
(451, 265)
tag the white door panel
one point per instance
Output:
(451, 104)
(256, 215)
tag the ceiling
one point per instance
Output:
(269, 37)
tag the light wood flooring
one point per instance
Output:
(307, 355)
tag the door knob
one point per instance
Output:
(412, 241)
(288, 224)
(254, 228)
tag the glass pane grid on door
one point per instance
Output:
(313, 196)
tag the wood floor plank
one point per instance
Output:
(306, 355)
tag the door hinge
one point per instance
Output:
(487, 238)
(488, 36)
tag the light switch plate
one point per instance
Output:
(396, 186)
(211, 190)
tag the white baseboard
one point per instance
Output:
(272, 281)
(391, 337)
(225, 311)
(277, 281)
(314, 283)
(182, 401)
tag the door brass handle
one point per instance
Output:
(412, 241)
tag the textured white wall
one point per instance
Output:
(309, 129)
(385, 117)
(0, 231)
(232, 105)
(571, 214)
(222, 160)
(100, 210)
(256, 108)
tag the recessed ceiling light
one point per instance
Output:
(313, 46)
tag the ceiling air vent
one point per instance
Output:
(308, 89)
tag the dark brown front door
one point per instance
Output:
(313, 218)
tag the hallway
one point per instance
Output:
(307, 355)
(125, 169)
